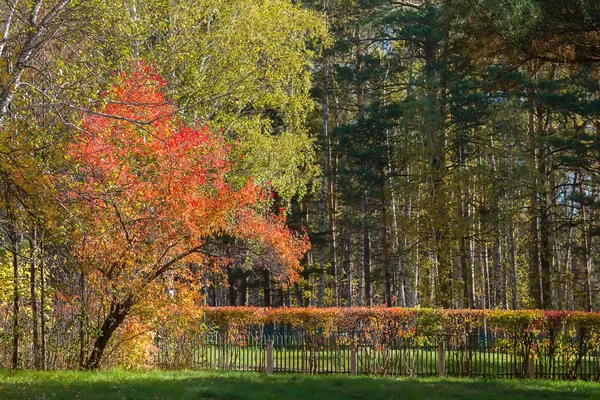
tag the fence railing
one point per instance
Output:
(481, 354)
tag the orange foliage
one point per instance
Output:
(153, 199)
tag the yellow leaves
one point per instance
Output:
(238, 52)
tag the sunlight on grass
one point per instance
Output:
(252, 386)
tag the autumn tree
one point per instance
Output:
(151, 198)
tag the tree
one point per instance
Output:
(151, 198)
(482, 115)
(29, 28)
(233, 65)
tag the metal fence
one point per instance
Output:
(480, 354)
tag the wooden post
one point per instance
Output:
(441, 359)
(353, 362)
(531, 366)
(270, 357)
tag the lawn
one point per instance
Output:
(253, 386)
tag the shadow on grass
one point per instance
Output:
(250, 386)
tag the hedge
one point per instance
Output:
(405, 321)
(561, 343)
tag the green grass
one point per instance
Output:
(253, 386)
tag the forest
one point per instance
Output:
(160, 156)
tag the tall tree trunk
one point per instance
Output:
(587, 260)
(472, 259)
(323, 201)
(361, 273)
(266, 280)
(464, 272)
(588, 277)
(331, 210)
(544, 233)
(255, 294)
(545, 256)
(484, 258)
(34, 300)
(16, 301)
(133, 15)
(82, 319)
(244, 289)
(350, 272)
(299, 296)
(117, 313)
(347, 255)
(387, 273)
(388, 173)
(464, 226)
(569, 268)
(499, 271)
(400, 250)
(366, 251)
(43, 314)
(309, 262)
(231, 286)
(535, 283)
(510, 243)
(416, 292)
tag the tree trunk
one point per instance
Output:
(472, 263)
(82, 318)
(585, 245)
(331, 211)
(387, 275)
(34, 299)
(535, 284)
(266, 287)
(464, 272)
(347, 255)
(244, 289)
(255, 294)
(545, 252)
(323, 200)
(569, 284)
(299, 296)
(366, 246)
(484, 258)
(116, 315)
(43, 315)
(546, 257)
(499, 272)
(16, 326)
(510, 244)
(231, 284)
(361, 273)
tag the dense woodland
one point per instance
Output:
(157, 156)
(459, 150)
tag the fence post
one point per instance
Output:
(531, 365)
(441, 359)
(270, 357)
(353, 362)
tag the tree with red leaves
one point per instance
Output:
(152, 198)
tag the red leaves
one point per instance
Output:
(152, 191)
(400, 322)
(270, 232)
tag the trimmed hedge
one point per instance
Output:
(561, 344)
(405, 321)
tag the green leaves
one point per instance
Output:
(233, 65)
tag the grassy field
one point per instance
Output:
(253, 386)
